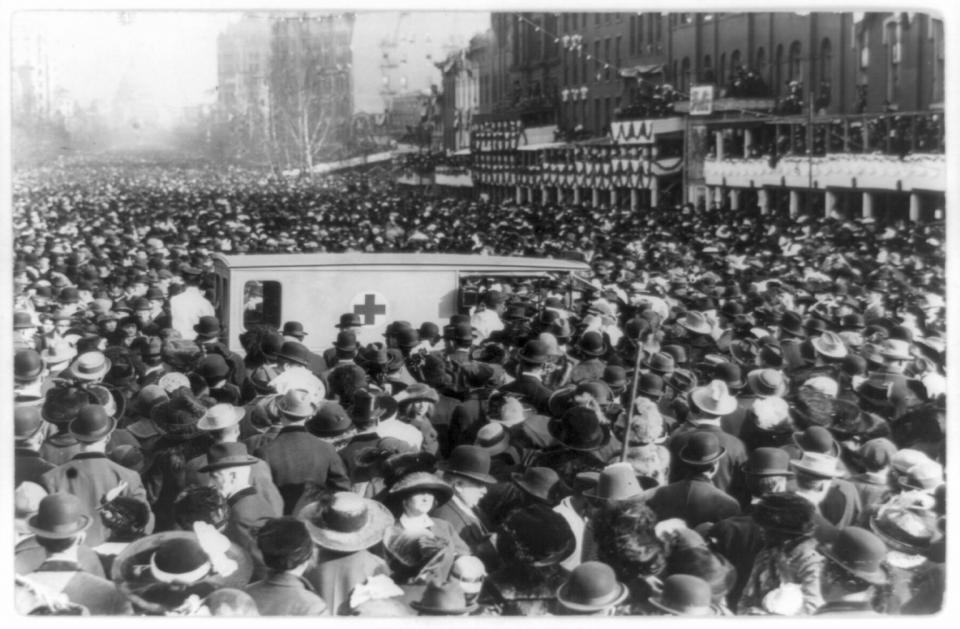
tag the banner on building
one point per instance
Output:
(701, 100)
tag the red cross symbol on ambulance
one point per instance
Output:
(369, 306)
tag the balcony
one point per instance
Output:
(903, 151)
(921, 172)
(731, 104)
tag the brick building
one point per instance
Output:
(863, 91)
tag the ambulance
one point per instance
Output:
(316, 289)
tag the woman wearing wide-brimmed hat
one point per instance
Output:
(909, 534)
(413, 497)
(180, 441)
(789, 555)
(416, 406)
(167, 574)
(532, 542)
(345, 527)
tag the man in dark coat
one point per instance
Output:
(695, 499)
(29, 435)
(708, 404)
(297, 458)
(90, 475)
(60, 524)
(468, 472)
(529, 384)
(738, 537)
(293, 331)
(470, 414)
(229, 466)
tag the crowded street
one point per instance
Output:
(342, 390)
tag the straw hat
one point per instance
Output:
(346, 522)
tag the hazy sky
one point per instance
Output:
(172, 55)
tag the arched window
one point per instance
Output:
(722, 69)
(826, 61)
(707, 75)
(761, 63)
(892, 40)
(778, 70)
(684, 78)
(796, 64)
(734, 64)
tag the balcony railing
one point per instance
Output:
(897, 134)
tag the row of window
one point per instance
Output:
(788, 64)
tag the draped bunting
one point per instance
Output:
(626, 164)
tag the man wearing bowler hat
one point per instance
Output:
(343, 354)
(853, 572)
(293, 331)
(738, 537)
(348, 326)
(294, 360)
(468, 472)
(60, 526)
(90, 475)
(29, 433)
(208, 331)
(222, 422)
(592, 348)
(229, 467)
(708, 405)
(296, 457)
(529, 384)
(695, 499)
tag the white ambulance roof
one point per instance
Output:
(463, 262)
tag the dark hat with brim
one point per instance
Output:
(702, 448)
(92, 424)
(534, 352)
(538, 482)
(444, 600)
(59, 516)
(590, 588)
(295, 352)
(580, 429)
(420, 482)
(817, 439)
(331, 420)
(859, 552)
(224, 455)
(349, 320)
(131, 572)
(470, 462)
(684, 595)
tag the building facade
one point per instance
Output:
(782, 112)
(243, 91)
(461, 91)
(284, 87)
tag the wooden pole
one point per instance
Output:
(633, 396)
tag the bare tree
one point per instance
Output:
(310, 84)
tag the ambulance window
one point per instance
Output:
(261, 303)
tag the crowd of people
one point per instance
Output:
(732, 414)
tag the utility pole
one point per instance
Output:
(809, 203)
